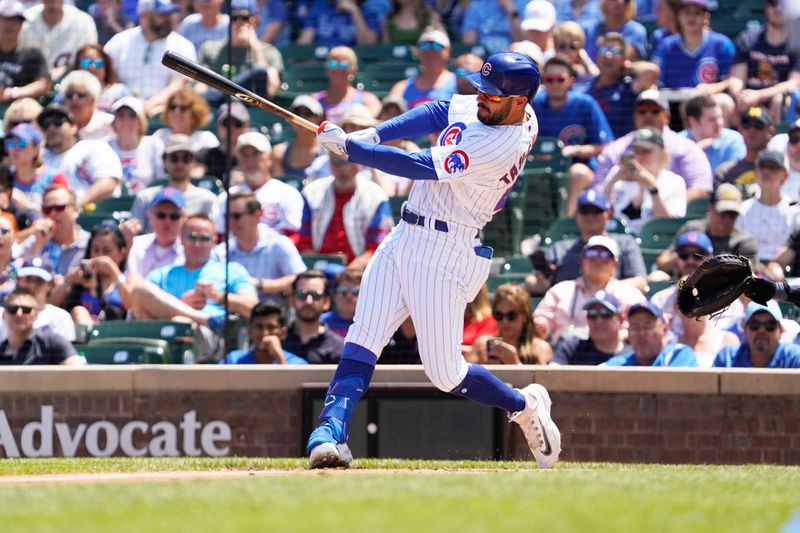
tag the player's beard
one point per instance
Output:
(493, 118)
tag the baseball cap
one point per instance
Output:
(255, 139)
(772, 308)
(603, 241)
(396, 101)
(773, 156)
(162, 7)
(697, 239)
(655, 96)
(757, 115)
(178, 142)
(650, 307)
(131, 102)
(607, 300)
(648, 138)
(247, 6)
(55, 110)
(727, 197)
(434, 35)
(26, 132)
(171, 195)
(359, 115)
(594, 198)
(794, 125)
(36, 268)
(10, 9)
(309, 102)
(236, 110)
(540, 15)
(704, 4)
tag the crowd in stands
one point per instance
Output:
(658, 106)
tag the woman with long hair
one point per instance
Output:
(478, 321)
(31, 176)
(407, 21)
(140, 154)
(92, 58)
(186, 112)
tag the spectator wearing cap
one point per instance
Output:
(91, 167)
(538, 24)
(756, 129)
(686, 158)
(618, 16)
(434, 81)
(58, 30)
(564, 256)
(178, 160)
(765, 68)
(696, 56)
(24, 109)
(706, 126)
(23, 69)
(559, 314)
(24, 345)
(271, 259)
(789, 142)
(161, 247)
(31, 175)
(642, 187)
(345, 297)
(770, 217)
(35, 276)
(93, 59)
(137, 52)
(281, 204)
(495, 24)
(256, 65)
(341, 67)
(604, 318)
(720, 226)
(187, 113)
(650, 343)
(762, 346)
(80, 90)
(140, 154)
(407, 21)
(293, 157)
(232, 119)
(207, 23)
(343, 23)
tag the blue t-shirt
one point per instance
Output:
(176, 280)
(241, 357)
(673, 354)
(618, 102)
(785, 356)
(590, 14)
(710, 63)
(635, 35)
(729, 146)
(491, 22)
(275, 11)
(336, 323)
(336, 28)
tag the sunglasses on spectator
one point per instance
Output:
(729, 214)
(343, 291)
(491, 97)
(199, 237)
(686, 255)
(57, 122)
(241, 18)
(232, 122)
(610, 50)
(304, 112)
(747, 124)
(181, 107)
(180, 158)
(461, 72)
(794, 137)
(92, 63)
(237, 216)
(14, 309)
(569, 46)
(605, 314)
(590, 211)
(510, 316)
(333, 64)
(653, 110)
(72, 95)
(49, 209)
(16, 144)
(427, 46)
(125, 113)
(555, 79)
(755, 325)
(598, 253)
(303, 294)
(160, 215)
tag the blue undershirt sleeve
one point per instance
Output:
(422, 120)
(414, 166)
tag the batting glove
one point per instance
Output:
(368, 136)
(332, 138)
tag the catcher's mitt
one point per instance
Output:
(716, 283)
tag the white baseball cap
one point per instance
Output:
(255, 139)
(540, 15)
(603, 241)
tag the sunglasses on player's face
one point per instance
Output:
(491, 97)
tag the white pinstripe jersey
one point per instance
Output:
(477, 165)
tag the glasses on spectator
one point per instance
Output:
(303, 294)
(427, 46)
(335, 64)
(50, 209)
(729, 214)
(92, 63)
(180, 158)
(605, 314)
(160, 215)
(685, 255)
(14, 123)
(56, 121)
(461, 72)
(510, 316)
(238, 216)
(344, 291)
(609, 50)
(72, 95)
(232, 122)
(564, 45)
(598, 253)
(14, 309)
(555, 79)
(747, 124)
(240, 18)
(590, 211)
(491, 97)
(652, 110)
(755, 325)
(16, 144)
(304, 112)
(179, 107)
(794, 137)
(199, 237)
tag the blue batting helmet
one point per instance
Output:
(507, 74)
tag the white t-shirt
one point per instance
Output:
(771, 225)
(281, 205)
(138, 61)
(141, 165)
(99, 127)
(85, 163)
(51, 318)
(671, 189)
(60, 42)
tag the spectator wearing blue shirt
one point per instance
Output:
(666, 21)
(618, 16)
(340, 23)
(273, 24)
(493, 23)
(265, 331)
(345, 297)
(706, 128)
(761, 347)
(584, 12)
(651, 343)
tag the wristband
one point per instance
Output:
(514, 14)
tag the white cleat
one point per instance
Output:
(330, 455)
(540, 431)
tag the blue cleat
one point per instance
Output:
(324, 451)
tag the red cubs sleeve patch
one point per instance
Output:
(458, 161)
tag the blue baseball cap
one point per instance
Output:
(649, 307)
(607, 300)
(697, 239)
(594, 198)
(171, 195)
(26, 132)
(162, 7)
(772, 308)
(507, 74)
(35, 268)
(248, 6)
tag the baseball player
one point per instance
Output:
(432, 262)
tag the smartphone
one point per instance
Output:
(540, 263)
(626, 161)
(85, 272)
(490, 344)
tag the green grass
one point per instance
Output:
(458, 496)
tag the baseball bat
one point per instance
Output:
(198, 72)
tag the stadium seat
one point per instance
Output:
(88, 221)
(567, 228)
(462, 48)
(209, 183)
(178, 335)
(697, 208)
(547, 153)
(154, 123)
(303, 78)
(372, 53)
(516, 264)
(656, 235)
(122, 354)
(321, 261)
(276, 128)
(379, 77)
(294, 54)
(294, 181)
(114, 204)
(397, 203)
(656, 286)
(789, 310)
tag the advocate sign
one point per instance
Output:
(103, 438)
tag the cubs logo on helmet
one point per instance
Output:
(486, 69)
(451, 135)
(458, 161)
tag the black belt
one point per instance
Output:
(419, 220)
